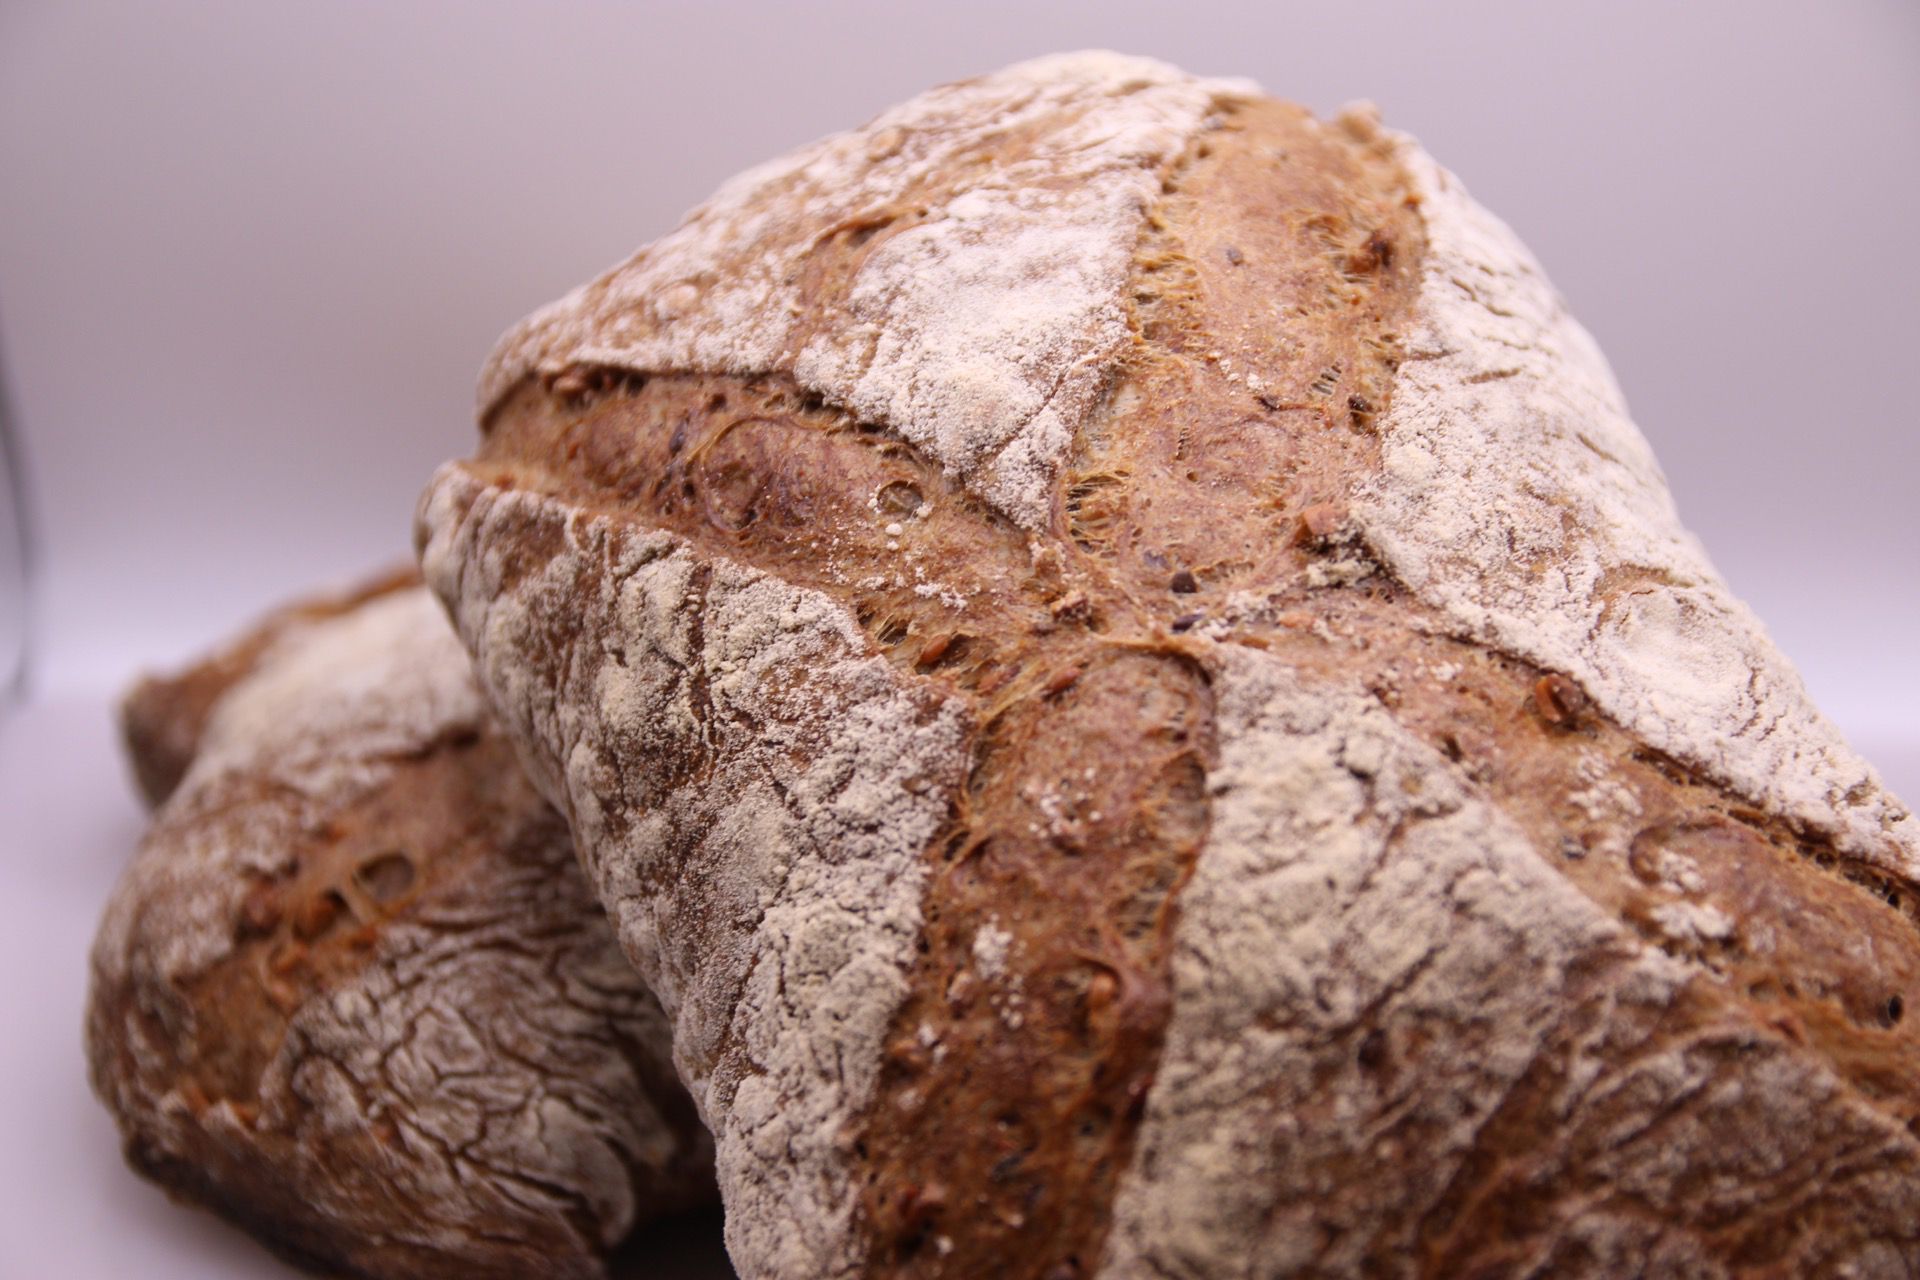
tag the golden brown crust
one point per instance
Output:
(353, 995)
(1203, 510)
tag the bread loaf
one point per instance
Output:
(1119, 666)
(352, 993)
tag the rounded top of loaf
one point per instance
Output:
(980, 327)
(959, 272)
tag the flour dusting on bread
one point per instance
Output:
(1371, 951)
(728, 751)
(982, 328)
(1518, 497)
(394, 676)
(1357, 604)
(388, 678)
(1352, 879)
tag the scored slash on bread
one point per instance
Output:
(1118, 665)
(352, 992)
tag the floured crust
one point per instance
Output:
(1280, 906)
(979, 329)
(163, 716)
(791, 783)
(351, 992)
(1515, 495)
(1403, 1041)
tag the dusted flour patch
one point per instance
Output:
(1377, 982)
(390, 673)
(1350, 883)
(1516, 495)
(984, 317)
(737, 762)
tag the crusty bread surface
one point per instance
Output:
(1116, 661)
(352, 992)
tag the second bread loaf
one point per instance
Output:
(352, 993)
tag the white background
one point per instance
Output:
(251, 255)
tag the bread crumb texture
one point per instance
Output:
(353, 994)
(1119, 665)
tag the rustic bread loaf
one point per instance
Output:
(352, 993)
(1122, 671)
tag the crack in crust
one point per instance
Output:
(1405, 1044)
(1094, 861)
(352, 994)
